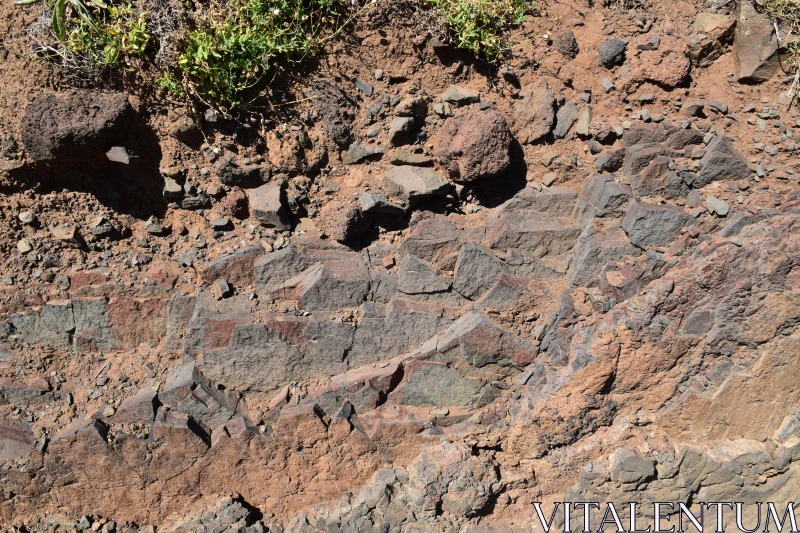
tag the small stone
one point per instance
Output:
(608, 85)
(717, 206)
(401, 130)
(268, 205)
(612, 52)
(375, 203)
(692, 108)
(358, 152)
(153, 226)
(378, 74)
(118, 154)
(652, 43)
(566, 44)
(582, 126)
(406, 157)
(172, 189)
(108, 411)
(221, 289)
(364, 87)
(507, 71)
(718, 107)
(65, 233)
(27, 218)
(565, 118)
(24, 246)
(549, 179)
(460, 96)
(221, 224)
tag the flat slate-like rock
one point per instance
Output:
(654, 225)
(415, 185)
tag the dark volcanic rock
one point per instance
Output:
(74, 125)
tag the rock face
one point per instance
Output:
(284, 321)
(474, 145)
(755, 47)
(76, 125)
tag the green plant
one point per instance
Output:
(239, 43)
(169, 84)
(106, 34)
(480, 25)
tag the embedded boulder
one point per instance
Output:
(74, 125)
(475, 145)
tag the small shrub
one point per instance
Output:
(107, 34)
(237, 45)
(480, 25)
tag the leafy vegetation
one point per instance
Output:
(225, 51)
(107, 34)
(480, 25)
(238, 45)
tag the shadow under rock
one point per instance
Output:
(135, 188)
(494, 191)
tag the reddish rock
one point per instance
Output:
(474, 145)
(234, 204)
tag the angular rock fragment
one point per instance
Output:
(474, 145)
(567, 116)
(74, 125)
(460, 96)
(611, 53)
(721, 162)
(755, 46)
(534, 113)
(358, 152)
(137, 409)
(477, 269)
(401, 131)
(375, 203)
(343, 221)
(268, 205)
(603, 197)
(415, 185)
(416, 276)
(654, 225)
